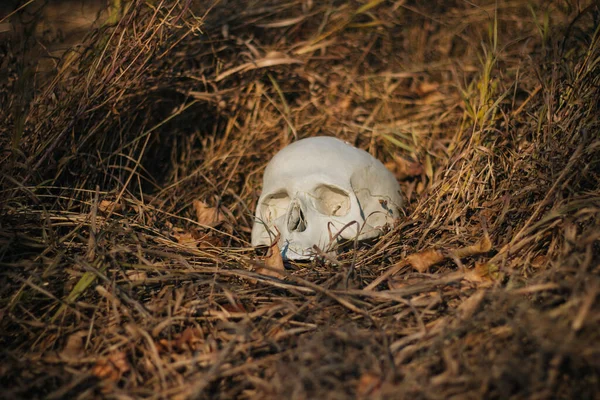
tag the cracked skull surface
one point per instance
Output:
(320, 192)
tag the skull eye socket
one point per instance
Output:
(275, 205)
(331, 201)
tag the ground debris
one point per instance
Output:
(74, 347)
(207, 216)
(273, 261)
(112, 367)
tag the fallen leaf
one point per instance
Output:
(428, 166)
(468, 307)
(208, 241)
(207, 216)
(483, 246)
(402, 282)
(420, 188)
(109, 206)
(190, 339)
(186, 239)
(368, 385)
(424, 88)
(342, 105)
(274, 260)
(539, 261)
(483, 272)
(111, 368)
(275, 332)
(136, 276)
(502, 332)
(108, 295)
(74, 346)
(237, 307)
(423, 260)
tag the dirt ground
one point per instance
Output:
(133, 139)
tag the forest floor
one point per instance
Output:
(131, 162)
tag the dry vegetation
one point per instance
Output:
(131, 165)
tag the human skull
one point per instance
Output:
(321, 191)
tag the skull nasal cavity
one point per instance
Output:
(296, 221)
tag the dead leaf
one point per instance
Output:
(208, 241)
(186, 239)
(483, 272)
(423, 260)
(276, 332)
(402, 282)
(108, 295)
(111, 368)
(74, 347)
(428, 166)
(136, 276)
(109, 206)
(236, 307)
(420, 188)
(190, 339)
(502, 332)
(539, 261)
(433, 97)
(274, 260)
(483, 246)
(343, 105)
(403, 168)
(368, 385)
(207, 216)
(470, 305)
(424, 88)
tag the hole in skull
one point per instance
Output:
(296, 219)
(275, 206)
(331, 201)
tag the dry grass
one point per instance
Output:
(486, 289)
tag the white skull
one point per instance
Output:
(315, 188)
